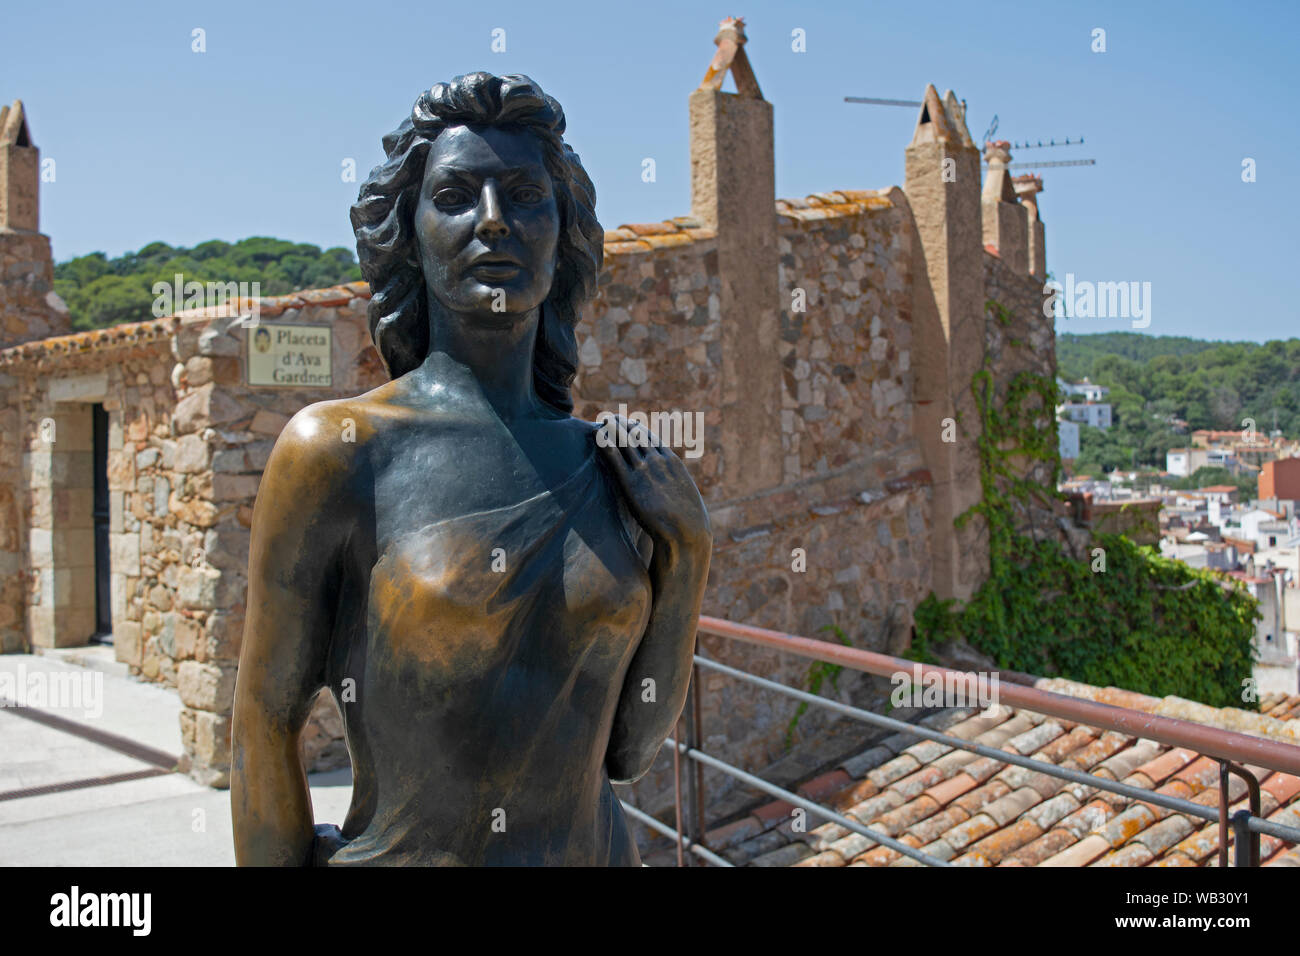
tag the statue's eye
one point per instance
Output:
(528, 194)
(452, 196)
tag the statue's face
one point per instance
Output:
(487, 220)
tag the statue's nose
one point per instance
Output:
(491, 223)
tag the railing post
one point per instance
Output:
(697, 741)
(677, 795)
(1223, 814)
(693, 812)
(1242, 835)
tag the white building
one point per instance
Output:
(1085, 390)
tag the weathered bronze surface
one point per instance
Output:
(504, 606)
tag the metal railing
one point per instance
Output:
(1231, 750)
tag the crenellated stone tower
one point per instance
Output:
(942, 184)
(733, 193)
(29, 309)
(1028, 187)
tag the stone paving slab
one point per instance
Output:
(142, 824)
(164, 820)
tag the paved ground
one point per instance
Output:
(161, 820)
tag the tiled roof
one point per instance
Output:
(627, 238)
(978, 811)
(133, 334)
(128, 335)
(683, 230)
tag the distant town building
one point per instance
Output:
(1085, 390)
(1068, 439)
(1280, 479)
(1095, 414)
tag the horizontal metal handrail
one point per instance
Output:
(1211, 741)
(810, 806)
(642, 817)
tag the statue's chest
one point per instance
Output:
(541, 586)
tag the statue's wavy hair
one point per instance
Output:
(383, 220)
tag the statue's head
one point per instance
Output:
(481, 204)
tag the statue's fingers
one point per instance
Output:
(627, 444)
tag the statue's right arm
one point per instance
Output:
(295, 556)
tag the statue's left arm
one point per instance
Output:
(665, 501)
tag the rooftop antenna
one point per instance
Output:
(1050, 143)
(876, 101)
(993, 128)
(1059, 162)
(989, 133)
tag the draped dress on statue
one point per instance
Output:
(494, 646)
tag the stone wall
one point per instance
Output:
(1019, 338)
(842, 540)
(29, 308)
(229, 429)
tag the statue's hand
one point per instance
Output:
(658, 488)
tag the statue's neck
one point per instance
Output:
(485, 357)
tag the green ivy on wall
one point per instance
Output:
(1124, 616)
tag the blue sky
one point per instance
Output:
(153, 141)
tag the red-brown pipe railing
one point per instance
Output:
(1210, 741)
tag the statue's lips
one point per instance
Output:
(494, 271)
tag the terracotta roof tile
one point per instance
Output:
(869, 809)
(819, 788)
(883, 855)
(967, 832)
(868, 760)
(1008, 808)
(1135, 854)
(1283, 786)
(1161, 836)
(1167, 764)
(1050, 812)
(854, 794)
(978, 798)
(1086, 819)
(1200, 773)
(1122, 827)
(897, 820)
(1079, 854)
(953, 787)
(1067, 744)
(1035, 738)
(935, 826)
(996, 846)
(914, 783)
(895, 769)
(1088, 756)
(1035, 852)
(982, 768)
(1123, 763)
(825, 858)
(984, 811)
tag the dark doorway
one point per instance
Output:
(103, 595)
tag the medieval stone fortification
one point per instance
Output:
(830, 343)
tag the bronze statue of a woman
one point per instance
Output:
(512, 602)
